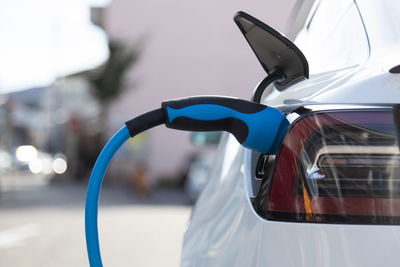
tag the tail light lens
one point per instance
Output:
(338, 167)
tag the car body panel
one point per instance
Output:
(381, 20)
(221, 223)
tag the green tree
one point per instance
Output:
(109, 81)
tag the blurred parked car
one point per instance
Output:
(330, 196)
(200, 163)
(197, 175)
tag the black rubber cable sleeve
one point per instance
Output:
(145, 121)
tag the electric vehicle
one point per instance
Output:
(330, 195)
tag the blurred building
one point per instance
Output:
(45, 100)
(188, 48)
(50, 119)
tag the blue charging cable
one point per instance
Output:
(93, 193)
(255, 126)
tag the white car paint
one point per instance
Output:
(226, 231)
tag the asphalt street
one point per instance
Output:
(43, 225)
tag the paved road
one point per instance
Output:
(43, 225)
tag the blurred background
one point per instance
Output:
(71, 73)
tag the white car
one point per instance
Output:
(330, 196)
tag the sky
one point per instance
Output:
(43, 40)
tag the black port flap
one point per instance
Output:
(274, 51)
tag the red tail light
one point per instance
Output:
(338, 167)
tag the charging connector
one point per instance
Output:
(254, 125)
